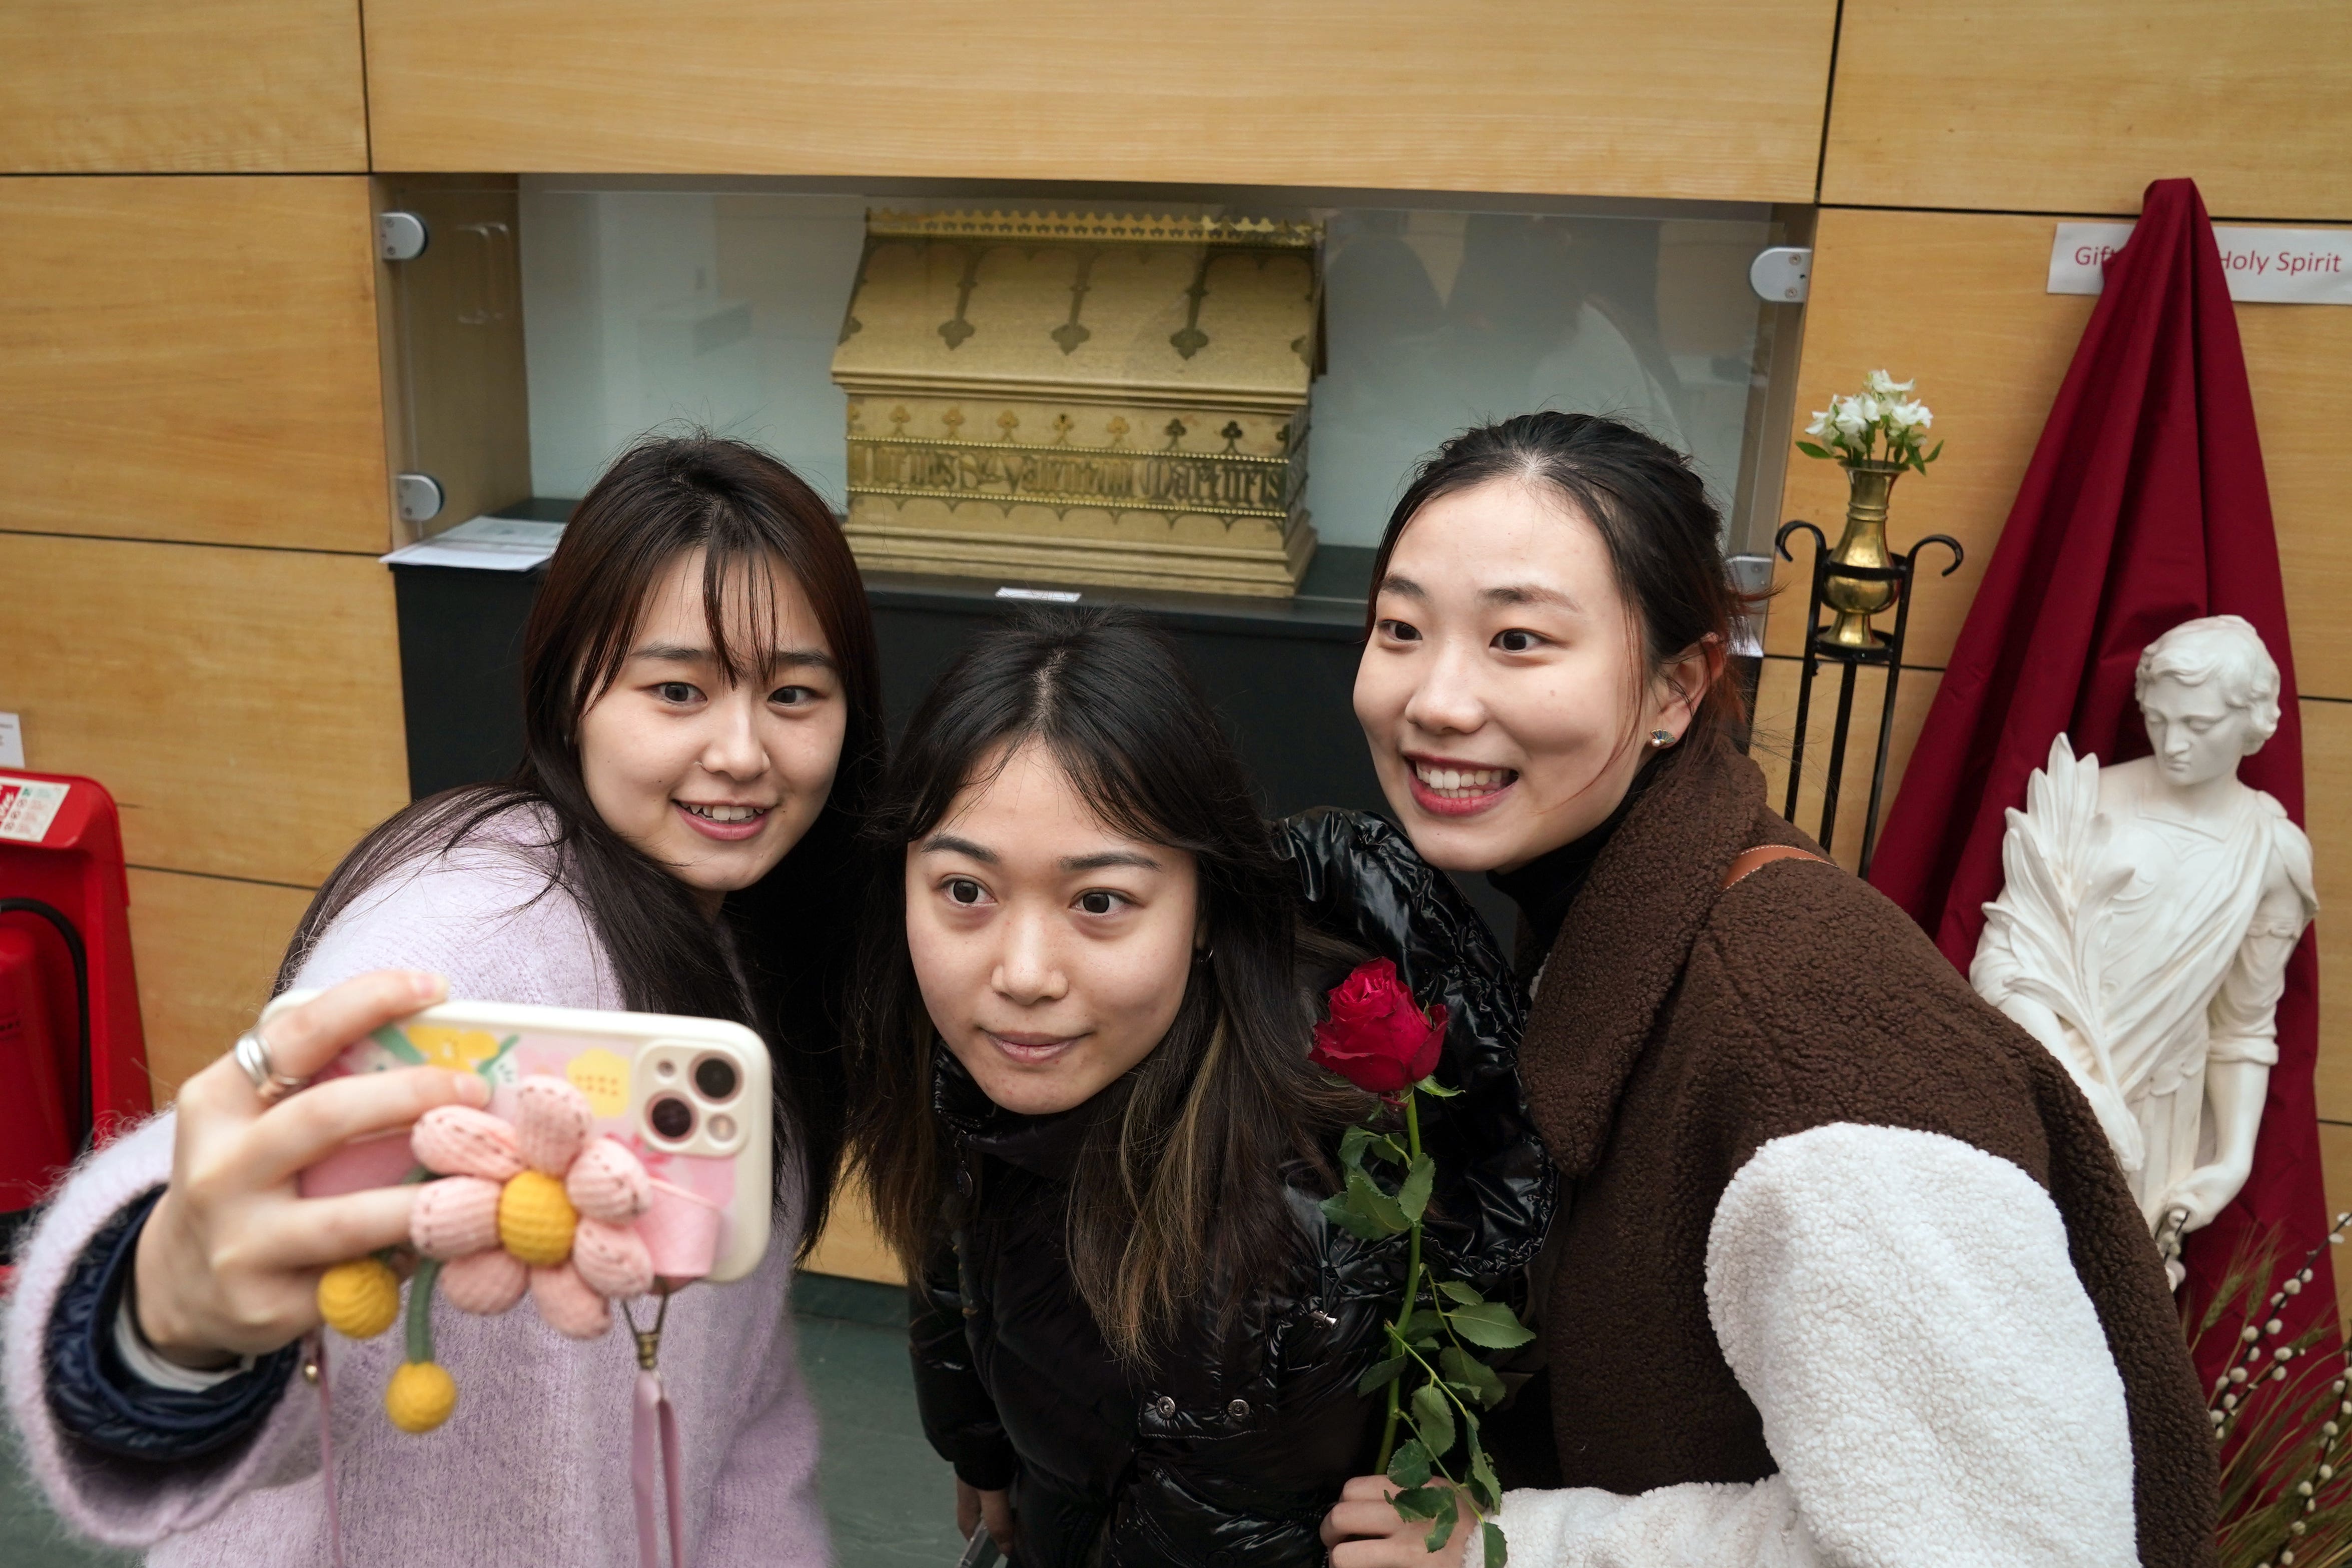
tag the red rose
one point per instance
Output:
(1376, 1038)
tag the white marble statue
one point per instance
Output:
(2147, 920)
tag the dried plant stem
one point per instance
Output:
(2283, 1504)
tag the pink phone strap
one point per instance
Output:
(655, 1424)
(315, 1368)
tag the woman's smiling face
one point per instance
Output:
(717, 779)
(1502, 690)
(1052, 950)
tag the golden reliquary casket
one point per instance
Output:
(1083, 399)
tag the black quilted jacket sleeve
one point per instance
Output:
(1361, 881)
(959, 1417)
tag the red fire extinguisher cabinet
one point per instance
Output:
(73, 1060)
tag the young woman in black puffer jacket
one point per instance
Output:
(1090, 1127)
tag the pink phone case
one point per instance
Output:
(689, 1096)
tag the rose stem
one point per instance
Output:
(1412, 1275)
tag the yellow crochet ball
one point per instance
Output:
(536, 1219)
(359, 1298)
(420, 1396)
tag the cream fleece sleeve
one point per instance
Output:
(1933, 1380)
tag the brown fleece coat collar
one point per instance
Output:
(1627, 940)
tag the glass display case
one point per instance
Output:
(618, 307)
(553, 319)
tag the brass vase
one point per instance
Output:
(1869, 483)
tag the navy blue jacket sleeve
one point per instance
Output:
(100, 1402)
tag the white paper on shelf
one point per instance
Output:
(484, 544)
(1050, 596)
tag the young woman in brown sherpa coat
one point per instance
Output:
(1846, 1273)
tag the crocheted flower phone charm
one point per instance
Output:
(533, 1206)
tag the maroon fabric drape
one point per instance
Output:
(2145, 506)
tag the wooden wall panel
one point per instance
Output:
(2025, 106)
(1989, 347)
(118, 86)
(849, 1246)
(206, 949)
(1714, 98)
(192, 359)
(2336, 1173)
(2299, 360)
(2327, 789)
(242, 705)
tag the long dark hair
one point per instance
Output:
(1182, 1190)
(1662, 536)
(745, 511)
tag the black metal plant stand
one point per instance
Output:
(1884, 649)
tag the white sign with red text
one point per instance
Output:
(28, 806)
(2277, 266)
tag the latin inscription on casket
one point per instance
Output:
(1057, 476)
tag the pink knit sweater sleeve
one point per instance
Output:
(483, 918)
(109, 1499)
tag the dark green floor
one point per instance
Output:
(891, 1500)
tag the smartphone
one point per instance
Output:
(689, 1096)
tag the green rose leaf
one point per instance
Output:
(1352, 1143)
(1368, 1200)
(1461, 1292)
(1410, 1465)
(1491, 1324)
(1389, 1149)
(1433, 1417)
(1412, 1197)
(1339, 1211)
(1381, 1374)
(1437, 1091)
(1417, 1502)
(1484, 1490)
(1498, 1552)
(1442, 1530)
(1472, 1376)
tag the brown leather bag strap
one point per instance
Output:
(1751, 861)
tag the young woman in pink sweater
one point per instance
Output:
(704, 727)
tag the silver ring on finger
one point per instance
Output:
(252, 1053)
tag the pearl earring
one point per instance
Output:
(1661, 738)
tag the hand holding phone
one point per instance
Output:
(689, 1097)
(228, 1260)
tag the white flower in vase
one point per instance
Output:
(1848, 431)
